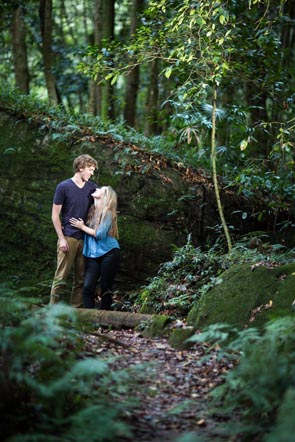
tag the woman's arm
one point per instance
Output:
(101, 232)
(79, 224)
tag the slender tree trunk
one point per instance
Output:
(45, 12)
(94, 98)
(101, 96)
(288, 34)
(152, 125)
(107, 99)
(288, 46)
(214, 172)
(94, 103)
(20, 59)
(65, 18)
(257, 102)
(132, 80)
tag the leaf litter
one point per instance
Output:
(173, 395)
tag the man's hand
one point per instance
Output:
(63, 245)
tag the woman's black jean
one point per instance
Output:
(105, 267)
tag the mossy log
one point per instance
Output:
(119, 319)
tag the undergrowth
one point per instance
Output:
(50, 389)
(192, 272)
(256, 401)
(62, 125)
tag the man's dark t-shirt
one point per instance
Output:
(75, 203)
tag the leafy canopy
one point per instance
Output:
(200, 42)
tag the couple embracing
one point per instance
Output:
(85, 220)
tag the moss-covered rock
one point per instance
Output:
(157, 327)
(179, 336)
(247, 294)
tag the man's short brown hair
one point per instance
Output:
(83, 161)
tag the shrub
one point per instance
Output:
(257, 395)
(51, 391)
(181, 282)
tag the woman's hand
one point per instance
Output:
(79, 223)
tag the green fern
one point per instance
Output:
(259, 390)
(50, 391)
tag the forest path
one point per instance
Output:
(173, 397)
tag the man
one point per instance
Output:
(72, 198)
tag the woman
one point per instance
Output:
(101, 248)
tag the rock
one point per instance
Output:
(247, 295)
(178, 338)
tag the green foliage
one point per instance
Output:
(284, 428)
(259, 391)
(192, 125)
(179, 34)
(64, 126)
(275, 188)
(201, 44)
(234, 44)
(181, 282)
(50, 389)
(15, 306)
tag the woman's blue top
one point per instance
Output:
(102, 243)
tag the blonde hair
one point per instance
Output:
(107, 206)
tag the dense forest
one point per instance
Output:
(204, 81)
(189, 108)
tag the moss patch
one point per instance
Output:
(147, 307)
(157, 326)
(179, 336)
(134, 232)
(241, 291)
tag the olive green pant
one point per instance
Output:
(71, 260)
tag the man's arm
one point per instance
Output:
(55, 216)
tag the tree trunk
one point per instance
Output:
(132, 80)
(215, 180)
(20, 60)
(94, 103)
(101, 101)
(45, 12)
(257, 101)
(152, 126)
(287, 33)
(107, 98)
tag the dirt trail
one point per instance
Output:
(174, 398)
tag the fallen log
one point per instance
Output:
(155, 323)
(105, 337)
